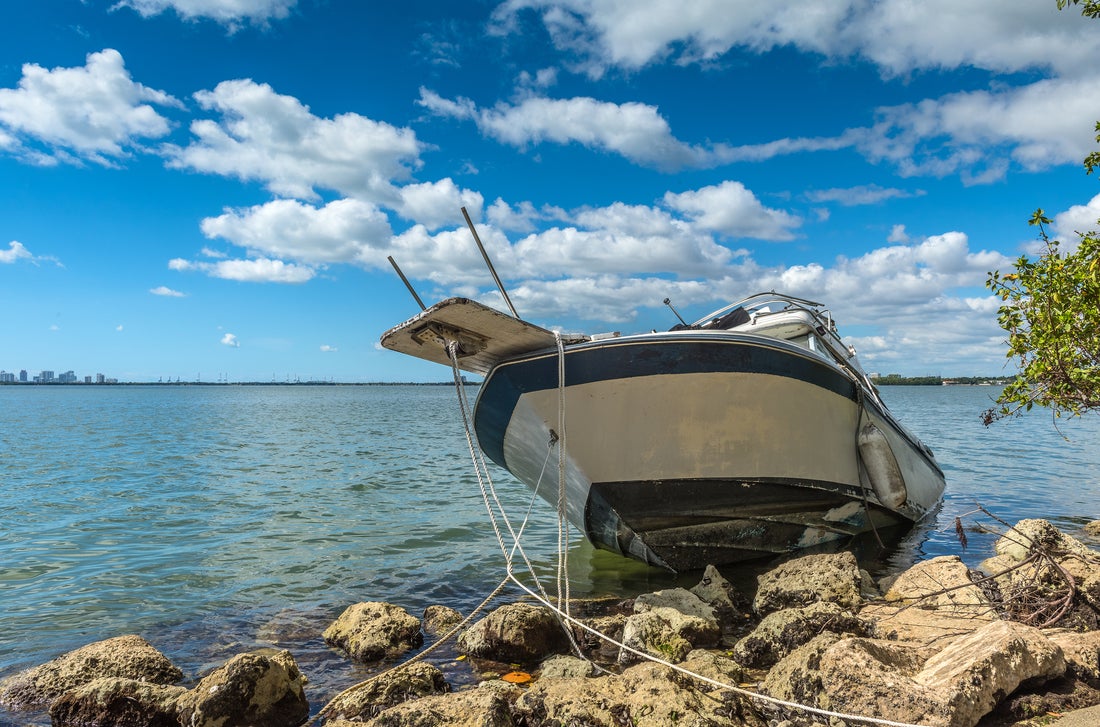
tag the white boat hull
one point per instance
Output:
(687, 449)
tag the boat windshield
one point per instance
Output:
(745, 310)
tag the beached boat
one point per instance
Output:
(750, 432)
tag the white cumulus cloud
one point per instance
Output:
(633, 130)
(1081, 218)
(259, 270)
(230, 340)
(343, 231)
(276, 140)
(16, 251)
(731, 209)
(95, 112)
(167, 292)
(898, 37)
(228, 12)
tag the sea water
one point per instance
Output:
(217, 519)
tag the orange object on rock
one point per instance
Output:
(517, 677)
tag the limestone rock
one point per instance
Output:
(977, 671)
(1030, 588)
(715, 667)
(566, 667)
(873, 678)
(931, 603)
(1089, 588)
(516, 632)
(797, 677)
(863, 677)
(126, 657)
(927, 627)
(781, 632)
(1081, 650)
(730, 605)
(867, 586)
(256, 689)
(644, 695)
(679, 599)
(489, 705)
(1092, 529)
(115, 702)
(440, 619)
(1028, 535)
(410, 681)
(666, 633)
(955, 687)
(610, 626)
(823, 577)
(943, 584)
(374, 630)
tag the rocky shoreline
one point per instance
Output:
(1015, 642)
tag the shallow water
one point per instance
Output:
(214, 519)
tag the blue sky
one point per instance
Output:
(210, 188)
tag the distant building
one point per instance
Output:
(46, 377)
(87, 379)
(99, 378)
(23, 376)
(6, 378)
(67, 378)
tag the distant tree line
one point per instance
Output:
(899, 380)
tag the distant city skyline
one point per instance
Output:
(47, 376)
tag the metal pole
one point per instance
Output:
(668, 302)
(489, 263)
(406, 282)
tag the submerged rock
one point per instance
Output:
(516, 632)
(374, 630)
(438, 620)
(256, 689)
(125, 657)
